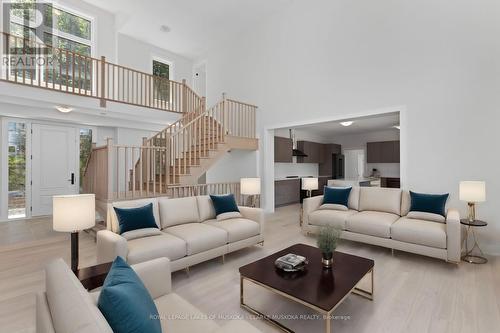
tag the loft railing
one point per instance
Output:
(110, 176)
(158, 165)
(180, 191)
(27, 62)
(193, 137)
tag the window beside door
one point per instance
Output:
(85, 151)
(16, 170)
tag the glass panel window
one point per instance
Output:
(85, 150)
(60, 29)
(24, 10)
(68, 23)
(17, 170)
(161, 71)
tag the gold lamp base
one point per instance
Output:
(472, 211)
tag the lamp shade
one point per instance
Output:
(309, 183)
(250, 186)
(473, 191)
(73, 212)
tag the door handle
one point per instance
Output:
(72, 179)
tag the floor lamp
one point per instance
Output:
(250, 187)
(309, 184)
(73, 213)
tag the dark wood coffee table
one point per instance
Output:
(335, 284)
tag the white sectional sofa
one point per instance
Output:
(381, 216)
(188, 232)
(66, 307)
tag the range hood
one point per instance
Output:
(295, 151)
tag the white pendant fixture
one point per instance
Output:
(346, 123)
(64, 109)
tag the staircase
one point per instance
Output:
(169, 163)
(174, 158)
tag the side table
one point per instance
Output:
(474, 255)
(93, 277)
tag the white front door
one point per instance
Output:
(54, 166)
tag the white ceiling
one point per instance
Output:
(195, 24)
(361, 125)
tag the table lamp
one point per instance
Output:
(251, 187)
(309, 184)
(73, 213)
(472, 192)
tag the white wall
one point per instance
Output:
(129, 136)
(233, 166)
(139, 55)
(438, 59)
(104, 133)
(302, 135)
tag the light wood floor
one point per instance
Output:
(412, 293)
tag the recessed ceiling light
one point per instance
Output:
(346, 123)
(64, 109)
(164, 28)
(396, 126)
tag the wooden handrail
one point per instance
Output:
(179, 191)
(157, 166)
(242, 103)
(75, 73)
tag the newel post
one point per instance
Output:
(145, 160)
(109, 153)
(103, 82)
(184, 96)
(203, 104)
(168, 159)
(225, 120)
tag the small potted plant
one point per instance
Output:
(328, 239)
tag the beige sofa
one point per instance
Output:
(66, 307)
(188, 232)
(380, 216)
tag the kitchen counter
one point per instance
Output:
(284, 178)
(299, 177)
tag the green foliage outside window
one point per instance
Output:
(85, 150)
(63, 70)
(161, 83)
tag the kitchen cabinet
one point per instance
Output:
(325, 164)
(390, 182)
(318, 153)
(286, 192)
(282, 150)
(382, 152)
(396, 155)
(311, 149)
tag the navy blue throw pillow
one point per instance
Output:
(135, 218)
(429, 203)
(336, 195)
(224, 203)
(126, 303)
